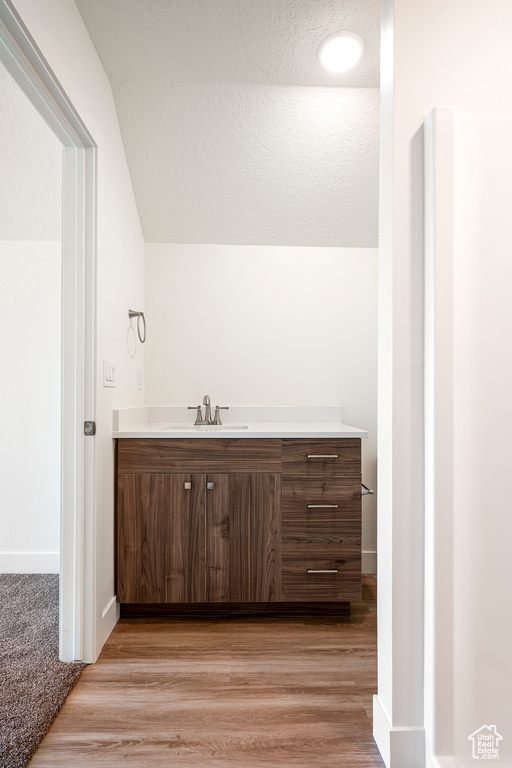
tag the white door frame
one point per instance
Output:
(24, 61)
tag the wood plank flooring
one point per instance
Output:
(272, 693)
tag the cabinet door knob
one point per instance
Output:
(187, 486)
(210, 486)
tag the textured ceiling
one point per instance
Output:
(232, 130)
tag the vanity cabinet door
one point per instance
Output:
(243, 513)
(160, 538)
(193, 538)
(141, 538)
(185, 539)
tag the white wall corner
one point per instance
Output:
(399, 747)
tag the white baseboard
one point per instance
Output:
(441, 762)
(29, 562)
(381, 729)
(108, 607)
(369, 562)
(400, 747)
(109, 618)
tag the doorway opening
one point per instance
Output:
(25, 63)
(30, 301)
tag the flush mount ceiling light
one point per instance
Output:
(341, 51)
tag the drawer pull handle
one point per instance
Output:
(187, 486)
(322, 455)
(322, 506)
(332, 570)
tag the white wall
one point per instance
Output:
(30, 266)
(468, 429)
(267, 325)
(30, 397)
(483, 433)
(59, 32)
(30, 169)
(434, 54)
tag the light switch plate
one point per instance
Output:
(109, 373)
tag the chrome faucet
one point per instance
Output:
(207, 419)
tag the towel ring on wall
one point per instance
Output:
(138, 315)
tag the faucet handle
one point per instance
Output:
(199, 414)
(216, 418)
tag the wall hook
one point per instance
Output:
(138, 315)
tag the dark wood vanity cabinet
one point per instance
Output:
(238, 520)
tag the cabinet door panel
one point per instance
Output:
(264, 539)
(224, 560)
(185, 538)
(243, 538)
(141, 538)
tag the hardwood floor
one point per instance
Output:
(272, 693)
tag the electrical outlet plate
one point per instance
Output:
(109, 373)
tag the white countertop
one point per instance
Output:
(258, 422)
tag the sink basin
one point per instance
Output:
(203, 427)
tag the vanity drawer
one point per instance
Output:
(305, 457)
(304, 561)
(198, 455)
(320, 524)
(322, 507)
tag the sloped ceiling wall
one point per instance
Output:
(233, 132)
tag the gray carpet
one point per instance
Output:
(33, 682)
